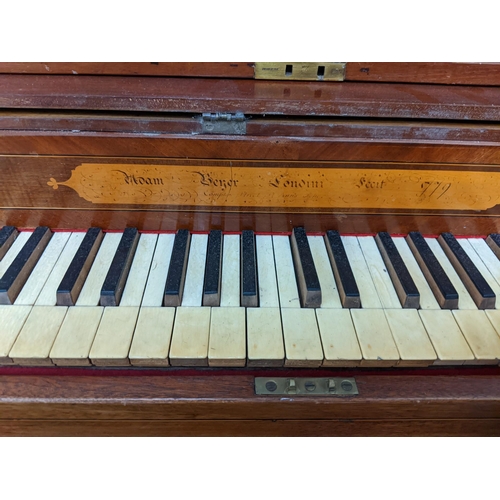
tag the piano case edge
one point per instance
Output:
(222, 405)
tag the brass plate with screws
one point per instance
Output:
(308, 71)
(302, 386)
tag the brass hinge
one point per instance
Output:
(317, 71)
(302, 386)
(224, 123)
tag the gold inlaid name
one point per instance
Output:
(282, 187)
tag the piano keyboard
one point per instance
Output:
(230, 300)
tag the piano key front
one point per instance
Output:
(279, 331)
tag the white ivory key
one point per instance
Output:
(340, 343)
(12, 319)
(488, 257)
(486, 254)
(410, 336)
(480, 335)
(427, 298)
(155, 286)
(153, 331)
(91, 290)
(114, 336)
(37, 336)
(379, 273)
(493, 316)
(190, 336)
(464, 299)
(76, 335)
(446, 337)
(329, 293)
(227, 342)
(139, 271)
(367, 290)
(193, 287)
(16, 247)
(230, 282)
(268, 286)
(301, 336)
(40, 273)
(285, 273)
(481, 267)
(264, 337)
(375, 338)
(48, 294)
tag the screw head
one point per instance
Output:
(310, 386)
(346, 385)
(271, 386)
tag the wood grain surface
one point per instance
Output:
(53, 120)
(374, 145)
(77, 124)
(160, 220)
(448, 73)
(28, 200)
(199, 69)
(205, 95)
(243, 428)
(227, 405)
(424, 72)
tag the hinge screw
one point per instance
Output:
(346, 385)
(271, 386)
(310, 386)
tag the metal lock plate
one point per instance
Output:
(307, 71)
(302, 386)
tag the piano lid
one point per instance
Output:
(447, 73)
(250, 97)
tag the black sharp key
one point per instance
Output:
(249, 286)
(305, 270)
(114, 283)
(493, 241)
(174, 286)
(7, 236)
(441, 286)
(72, 282)
(346, 284)
(476, 285)
(18, 272)
(404, 285)
(213, 268)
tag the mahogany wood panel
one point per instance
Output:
(422, 72)
(250, 96)
(282, 148)
(338, 129)
(189, 69)
(274, 427)
(227, 405)
(345, 223)
(415, 72)
(27, 201)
